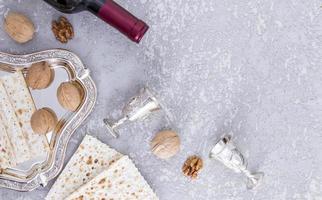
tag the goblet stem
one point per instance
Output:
(253, 179)
(111, 127)
(119, 122)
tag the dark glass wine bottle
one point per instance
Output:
(109, 11)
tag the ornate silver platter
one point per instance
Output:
(67, 66)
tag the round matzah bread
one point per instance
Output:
(91, 158)
(120, 181)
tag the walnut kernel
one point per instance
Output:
(62, 29)
(192, 166)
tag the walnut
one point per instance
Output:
(70, 95)
(62, 29)
(43, 121)
(19, 27)
(192, 166)
(165, 144)
(40, 75)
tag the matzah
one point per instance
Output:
(23, 105)
(7, 158)
(91, 158)
(120, 181)
(11, 124)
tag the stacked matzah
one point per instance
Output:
(120, 181)
(90, 159)
(24, 107)
(12, 130)
(96, 171)
(6, 151)
(18, 142)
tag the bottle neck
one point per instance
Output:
(93, 6)
(118, 17)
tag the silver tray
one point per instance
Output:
(39, 173)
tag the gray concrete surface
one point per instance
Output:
(250, 67)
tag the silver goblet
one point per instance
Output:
(227, 153)
(139, 107)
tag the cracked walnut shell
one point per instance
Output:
(192, 166)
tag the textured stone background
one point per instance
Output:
(253, 68)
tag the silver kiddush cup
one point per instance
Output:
(139, 107)
(227, 153)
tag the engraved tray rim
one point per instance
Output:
(50, 169)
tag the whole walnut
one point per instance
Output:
(70, 95)
(43, 121)
(165, 144)
(19, 27)
(40, 75)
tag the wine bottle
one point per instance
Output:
(107, 10)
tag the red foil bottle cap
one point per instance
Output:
(123, 21)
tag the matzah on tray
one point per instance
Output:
(7, 156)
(23, 106)
(18, 141)
(12, 129)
